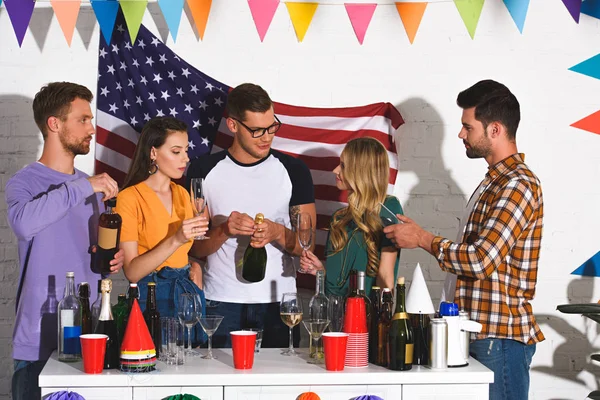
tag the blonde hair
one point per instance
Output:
(366, 173)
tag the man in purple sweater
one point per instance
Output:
(53, 209)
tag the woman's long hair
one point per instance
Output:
(366, 173)
(154, 134)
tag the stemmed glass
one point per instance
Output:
(187, 312)
(198, 200)
(315, 328)
(210, 324)
(304, 229)
(290, 310)
(336, 313)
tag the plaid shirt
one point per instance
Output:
(497, 261)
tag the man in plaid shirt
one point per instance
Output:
(496, 257)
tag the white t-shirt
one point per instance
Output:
(270, 186)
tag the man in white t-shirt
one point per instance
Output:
(246, 179)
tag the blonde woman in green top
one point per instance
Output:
(356, 239)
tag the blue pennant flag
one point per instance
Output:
(589, 268)
(106, 13)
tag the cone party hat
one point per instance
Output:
(137, 349)
(418, 300)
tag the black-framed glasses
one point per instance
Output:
(258, 132)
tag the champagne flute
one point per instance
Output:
(188, 316)
(290, 310)
(198, 200)
(304, 229)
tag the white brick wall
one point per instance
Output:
(331, 69)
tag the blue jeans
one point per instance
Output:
(25, 385)
(170, 284)
(242, 316)
(510, 361)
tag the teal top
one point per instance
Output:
(354, 256)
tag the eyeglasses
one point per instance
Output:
(258, 132)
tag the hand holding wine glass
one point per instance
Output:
(310, 263)
(198, 200)
(304, 230)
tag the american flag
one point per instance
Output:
(141, 80)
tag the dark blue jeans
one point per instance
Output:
(25, 385)
(241, 316)
(170, 284)
(510, 361)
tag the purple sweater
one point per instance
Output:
(55, 219)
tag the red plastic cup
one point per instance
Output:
(334, 346)
(242, 345)
(93, 349)
(355, 318)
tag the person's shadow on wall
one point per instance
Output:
(435, 202)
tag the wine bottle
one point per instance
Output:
(375, 298)
(107, 326)
(255, 259)
(318, 309)
(69, 323)
(401, 335)
(96, 306)
(152, 317)
(86, 315)
(109, 233)
(353, 283)
(383, 329)
(119, 311)
(132, 293)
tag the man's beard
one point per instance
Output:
(75, 148)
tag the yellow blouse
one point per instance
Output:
(147, 222)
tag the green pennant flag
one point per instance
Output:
(470, 11)
(133, 10)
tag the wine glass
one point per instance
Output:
(210, 324)
(290, 310)
(188, 316)
(198, 200)
(315, 328)
(336, 313)
(304, 229)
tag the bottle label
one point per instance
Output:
(408, 355)
(107, 238)
(71, 342)
(401, 315)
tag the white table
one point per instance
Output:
(273, 377)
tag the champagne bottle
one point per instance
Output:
(383, 329)
(375, 298)
(119, 311)
(86, 315)
(255, 259)
(152, 317)
(132, 293)
(109, 233)
(401, 335)
(69, 323)
(107, 326)
(318, 309)
(96, 306)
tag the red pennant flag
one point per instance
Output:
(591, 123)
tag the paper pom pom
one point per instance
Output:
(182, 397)
(308, 396)
(368, 397)
(64, 395)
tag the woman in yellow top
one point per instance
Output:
(158, 220)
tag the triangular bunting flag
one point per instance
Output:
(470, 11)
(589, 268)
(588, 7)
(66, 14)
(574, 7)
(133, 11)
(200, 10)
(19, 12)
(589, 67)
(411, 15)
(591, 123)
(518, 11)
(360, 17)
(262, 13)
(106, 13)
(171, 10)
(0, 2)
(301, 15)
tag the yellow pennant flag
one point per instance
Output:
(411, 15)
(133, 11)
(301, 15)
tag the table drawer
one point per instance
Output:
(346, 392)
(160, 392)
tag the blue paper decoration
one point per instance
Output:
(589, 268)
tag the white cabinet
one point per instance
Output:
(94, 393)
(334, 392)
(445, 392)
(159, 393)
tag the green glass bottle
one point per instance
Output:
(401, 334)
(255, 259)
(119, 311)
